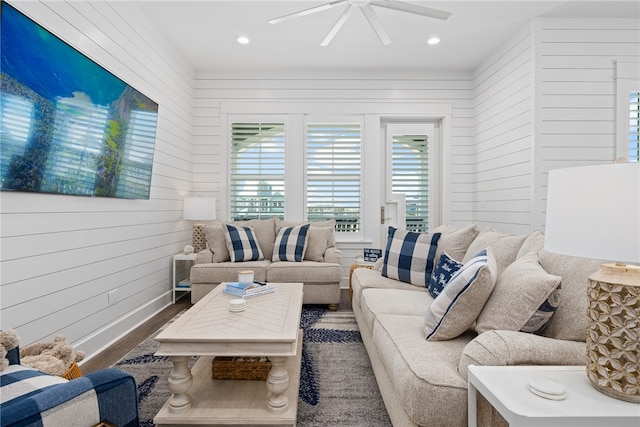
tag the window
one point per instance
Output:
(410, 176)
(634, 126)
(257, 170)
(333, 174)
(627, 110)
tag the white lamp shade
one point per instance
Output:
(199, 208)
(594, 212)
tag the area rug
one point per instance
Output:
(337, 385)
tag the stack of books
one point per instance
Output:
(246, 291)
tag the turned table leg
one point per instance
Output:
(180, 380)
(277, 383)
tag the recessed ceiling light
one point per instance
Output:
(243, 40)
(433, 40)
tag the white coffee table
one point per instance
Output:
(506, 389)
(270, 326)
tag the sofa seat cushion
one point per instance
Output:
(374, 302)
(304, 272)
(227, 271)
(364, 278)
(424, 373)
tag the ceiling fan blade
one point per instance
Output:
(412, 8)
(336, 27)
(315, 9)
(375, 23)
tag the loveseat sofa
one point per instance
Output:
(319, 267)
(420, 346)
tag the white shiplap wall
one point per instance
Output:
(451, 89)
(61, 255)
(503, 123)
(575, 92)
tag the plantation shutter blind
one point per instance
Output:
(257, 170)
(333, 174)
(634, 126)
(410, 176)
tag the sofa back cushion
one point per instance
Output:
(524, 299)
(505, 247)
(214, 235)
(410, 257)
(321, 237)
(291, 243)
(455, 241)
(570, 320)
(264, 232)
(242, 243)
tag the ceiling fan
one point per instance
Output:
(366, 6)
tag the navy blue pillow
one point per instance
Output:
(445, 269)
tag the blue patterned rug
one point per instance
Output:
(337, 386)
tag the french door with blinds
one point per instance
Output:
(410, 174)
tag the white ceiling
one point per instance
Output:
(205, 33)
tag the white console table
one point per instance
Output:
(176, 283)
(506, 389)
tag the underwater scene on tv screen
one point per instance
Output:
(67, 125)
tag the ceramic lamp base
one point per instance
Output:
(199, 242)
(613, 336)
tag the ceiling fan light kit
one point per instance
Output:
(366, 6)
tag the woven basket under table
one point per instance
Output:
(240, 368)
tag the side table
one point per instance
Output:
(506, 389)
(183, 285)
(359, 262)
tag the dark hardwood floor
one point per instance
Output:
(117, 350)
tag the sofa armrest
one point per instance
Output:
(106, 395)
(506, 348)
(333, 255)
(205, 256)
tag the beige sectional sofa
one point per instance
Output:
(320, 270)
(424, 382)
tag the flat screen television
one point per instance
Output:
(67, 125)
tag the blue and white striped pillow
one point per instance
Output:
(242, 243)
(291, 243)
(458, 305)
(409, 256)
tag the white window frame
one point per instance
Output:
(627, 80)
(261, 118)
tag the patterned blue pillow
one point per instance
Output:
(445, 269)
(291, 243)
(242, 243)
(410, 257)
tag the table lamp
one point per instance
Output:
(199, 209)
(594, 212)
